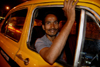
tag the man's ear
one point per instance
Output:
(43, 27)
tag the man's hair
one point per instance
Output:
(43, 20)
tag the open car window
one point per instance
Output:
(90, 54)
(38, 32)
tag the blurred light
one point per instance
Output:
(2, 17)
(10, 24)
(7, 7)
(13, 29)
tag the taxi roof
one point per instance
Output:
(93, 4)
(97, 2)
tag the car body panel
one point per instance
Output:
(93, 4)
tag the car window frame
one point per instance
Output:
(9, 16)
(31, 27)
(95, 16)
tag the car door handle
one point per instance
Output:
(26, 61)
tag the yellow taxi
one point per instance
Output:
(22, 26)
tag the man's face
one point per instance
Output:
(51, 25)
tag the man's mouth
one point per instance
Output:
(52, 30)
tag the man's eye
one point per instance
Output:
(47, 22)
(56, 22)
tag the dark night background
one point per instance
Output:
(10, 3)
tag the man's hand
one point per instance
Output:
(69, 9)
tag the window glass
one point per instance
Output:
(4, 27)
(91, 48)
(14, 24)
(1, 19)
(38, 32)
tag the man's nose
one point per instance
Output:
(52, 25)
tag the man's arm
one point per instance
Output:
(52, 53)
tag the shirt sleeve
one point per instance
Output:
(40, 44)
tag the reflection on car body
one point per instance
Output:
(22, 26)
